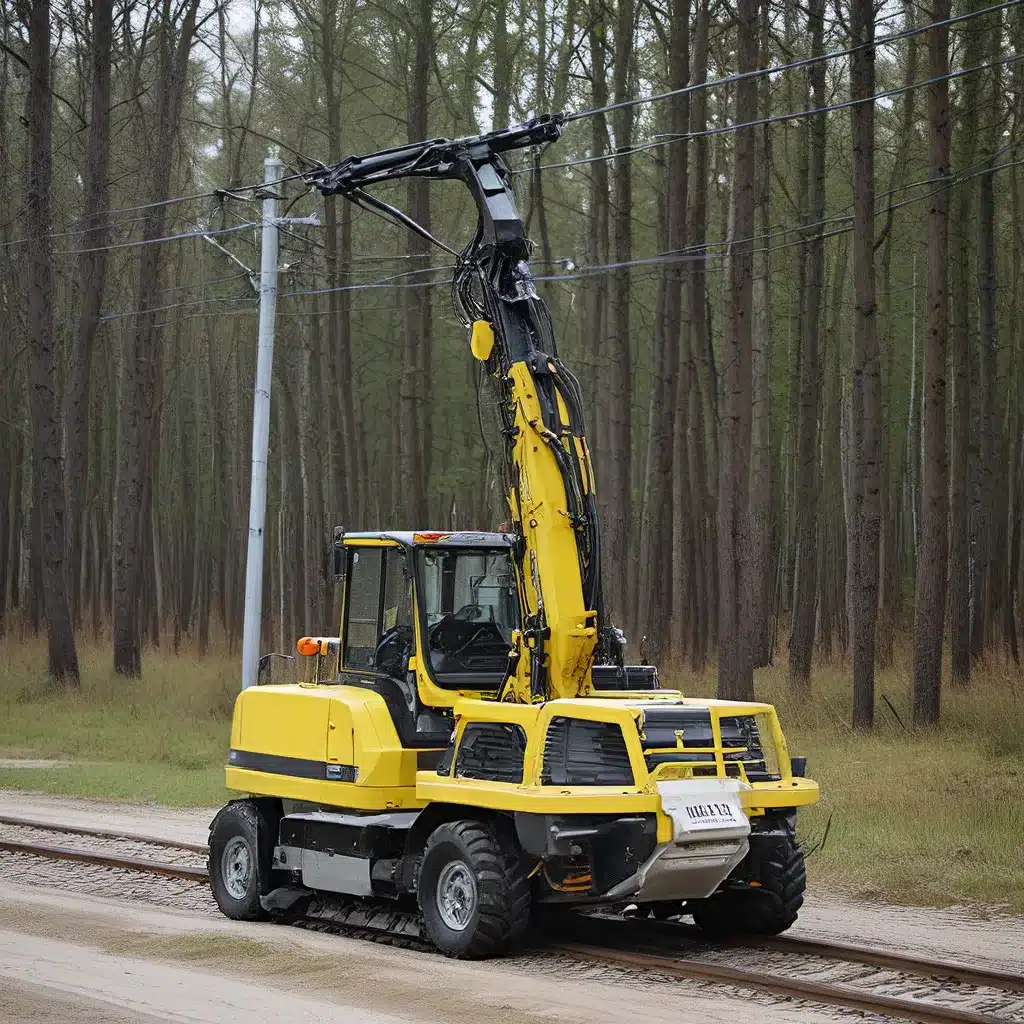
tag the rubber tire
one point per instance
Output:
(241, 818)
(768, 909)
(502, 914)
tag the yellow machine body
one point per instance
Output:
(337, 746)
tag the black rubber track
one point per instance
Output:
(503, 890)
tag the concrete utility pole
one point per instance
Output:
(272, 168)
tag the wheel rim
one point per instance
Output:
(456, 895)
(236, 868)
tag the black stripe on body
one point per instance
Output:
(297, 767)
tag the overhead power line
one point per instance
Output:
(882, 208)
(792, 65)
(199, 233)
(698, 252)
(774, 118)
(176, 305)
(234, 193)
(218, 193)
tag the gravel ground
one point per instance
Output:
(183, 826)
(116, 847)
(965, 934)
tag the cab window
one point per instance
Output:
(378, 619)
(470, 610)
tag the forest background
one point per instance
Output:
(794, 299)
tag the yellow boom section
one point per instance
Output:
(551, 565)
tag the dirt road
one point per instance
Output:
(73, 958)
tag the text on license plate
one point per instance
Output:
(710, 814)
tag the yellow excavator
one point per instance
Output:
(472, 747)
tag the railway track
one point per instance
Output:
(872, 980)
(104, 848)
(927, 1008)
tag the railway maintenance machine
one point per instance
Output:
(478, 749)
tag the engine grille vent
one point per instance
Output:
(583, 753)
(492, 751)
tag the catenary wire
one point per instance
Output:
(793, 65)
(692, 254)
(156, 241)
(774, 118)
(231, 193)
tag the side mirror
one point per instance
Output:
(339, 553)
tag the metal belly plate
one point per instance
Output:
(710, 837)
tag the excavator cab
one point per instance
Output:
(447, 600)
(427, 619)
(441, 615)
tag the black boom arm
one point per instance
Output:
(476, 160)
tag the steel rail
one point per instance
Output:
(876, 957)
(105, 860)
(873, 956)
(101, 833)
(790, 988)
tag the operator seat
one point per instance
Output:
(417, 726)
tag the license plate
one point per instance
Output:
(699, 805)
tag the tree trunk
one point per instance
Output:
(139, 414)
(701, 416)
(595, 289)
(991, 528)
(414, 409)
(347, 443)
(735, 667)
(960, 332)
(760, 587)
(894, 532)
(618, 359)
(991, 553)
(92, 277)
(42, 366)
(930, 591)
(832, 575)
(676, 331)
(866, 399)
(540, 106)
(805, 497)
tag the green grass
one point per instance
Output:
(126, 781)
(928, 817)
(161, 739)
